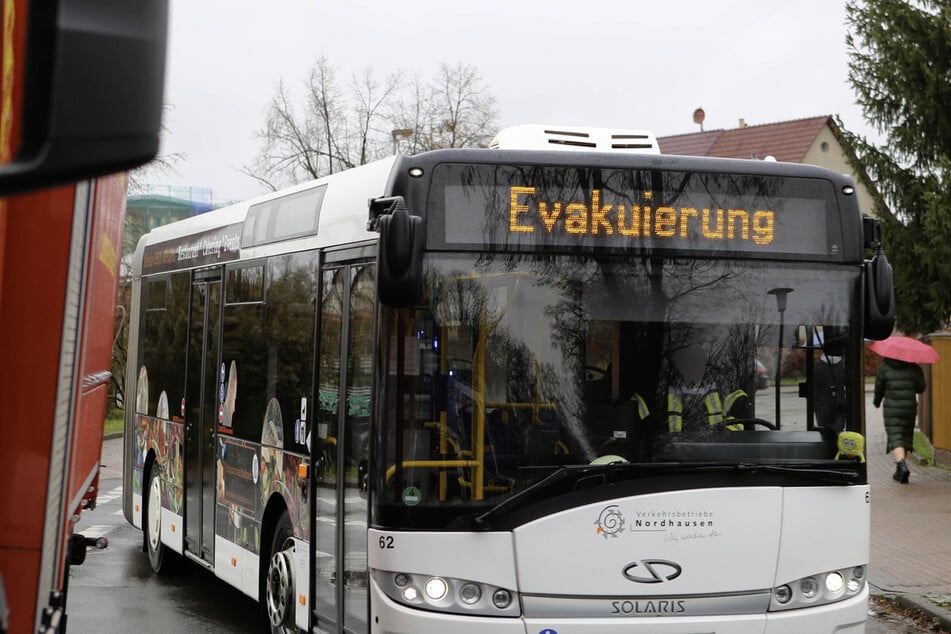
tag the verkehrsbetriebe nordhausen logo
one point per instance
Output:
(610, 521)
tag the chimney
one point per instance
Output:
(742, 123)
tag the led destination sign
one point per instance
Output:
(636, 220)
(496, 207)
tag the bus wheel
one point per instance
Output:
(153, 522)
(280, 578)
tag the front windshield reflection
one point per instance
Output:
(518, 365)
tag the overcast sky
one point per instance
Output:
(610, 63)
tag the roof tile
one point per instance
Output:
(786, 141)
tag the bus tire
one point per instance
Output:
(152, 524)
(279, 581)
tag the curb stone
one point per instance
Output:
(931, 605)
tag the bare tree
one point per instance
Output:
(463, 112)
(293, 148)
(326, 102)
(455, 109)
(368, 140)
(160, 165)
(339, 127)
(334, 128)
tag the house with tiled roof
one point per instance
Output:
(815, 141)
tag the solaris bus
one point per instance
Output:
(515, 389)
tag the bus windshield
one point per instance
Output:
(519, 365)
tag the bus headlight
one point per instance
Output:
(782, 594)
(834, 583)
(447, 594)
(825, 587)
(809, 588)
(436, 589)
(470, 593)
(501, 598)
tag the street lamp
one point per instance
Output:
(404, 133)
(781, 295)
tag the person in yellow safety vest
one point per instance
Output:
(690, 364)
(642, 410)
(716, 408)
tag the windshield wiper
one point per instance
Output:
(578, 472)
(481, 521)
(835, 476)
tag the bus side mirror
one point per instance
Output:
(879, 298)
(400, 257)
(92, 83)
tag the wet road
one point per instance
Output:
(116, 591)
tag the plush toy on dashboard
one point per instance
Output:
(851, 446)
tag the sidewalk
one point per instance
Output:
(110, 461)
(911, 551)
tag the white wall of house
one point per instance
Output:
(826, 151)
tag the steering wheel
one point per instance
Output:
(747, 421)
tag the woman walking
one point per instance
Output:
(898, 384)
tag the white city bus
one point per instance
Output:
(516, 391)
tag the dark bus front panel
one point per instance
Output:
(520, 364)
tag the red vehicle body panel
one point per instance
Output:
(33, 288)
(36, 234)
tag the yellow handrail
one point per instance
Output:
(431, 464)
(495, 488)
(444, 443)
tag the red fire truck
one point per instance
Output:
(80, 103)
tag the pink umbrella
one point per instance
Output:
(905, 349)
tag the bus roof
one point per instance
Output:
(341, 214)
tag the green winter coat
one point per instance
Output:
(898, 383)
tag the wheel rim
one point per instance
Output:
(155, 513)
(280, 585)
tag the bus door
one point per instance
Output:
(203, 403)
(345, 368)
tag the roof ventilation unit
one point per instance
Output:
(544, 137)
